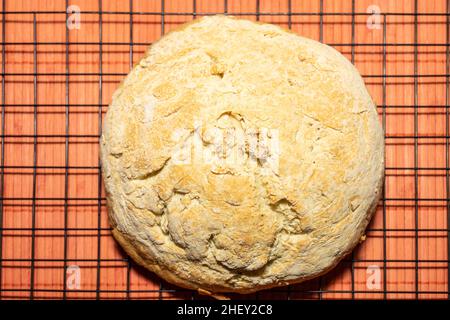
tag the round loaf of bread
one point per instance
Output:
(239, 156)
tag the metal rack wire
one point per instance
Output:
(14, 285)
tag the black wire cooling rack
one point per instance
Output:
(31, 268)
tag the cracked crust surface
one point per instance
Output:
(270, 217)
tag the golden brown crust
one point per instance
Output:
(304, 184)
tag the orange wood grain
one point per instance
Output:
(80, 212)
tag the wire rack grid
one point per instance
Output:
(55, 241)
